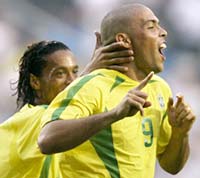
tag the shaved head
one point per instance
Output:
(139, 29)
(118, 21)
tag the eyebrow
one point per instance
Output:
(152, 20)
(62, 68)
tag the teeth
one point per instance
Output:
(163, 46)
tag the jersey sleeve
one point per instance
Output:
(80, 99)
(18, 139)
(165, 128)
(164, 136)
(6, 136)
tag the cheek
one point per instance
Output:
(140, 45)
(53, 92)
(58, 86)
(149, 48)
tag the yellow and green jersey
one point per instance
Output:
(20, 156)
(126, 149)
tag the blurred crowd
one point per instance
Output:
(73, 22)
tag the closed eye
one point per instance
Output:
(150, 27)
(151, 24)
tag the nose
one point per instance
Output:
(71, 77)
(163, 32)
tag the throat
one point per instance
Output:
(135, 74)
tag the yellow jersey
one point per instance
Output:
(20, 156)
(126, 149)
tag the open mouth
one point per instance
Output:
(162, 47)
(161, 50)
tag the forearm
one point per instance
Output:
(62, 135)
(176, 154)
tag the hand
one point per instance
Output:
(134, 101)
(112, 56)
(180, 115)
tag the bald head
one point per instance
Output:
(139, 29)
(119, 20)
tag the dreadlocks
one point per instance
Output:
(33, 61)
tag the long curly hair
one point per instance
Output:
(33, 61)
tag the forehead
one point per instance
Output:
(64, 58)
(144, 14)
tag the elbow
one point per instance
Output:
(44, 144)
(170, 167)
(173, 171)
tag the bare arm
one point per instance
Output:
(62, 135)
(112, 56)
(176, 154)
(181, 119)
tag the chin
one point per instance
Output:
(158, 69)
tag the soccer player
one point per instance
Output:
(45, 69)
(95, 121)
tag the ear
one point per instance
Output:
(34, 82)
(124, 38)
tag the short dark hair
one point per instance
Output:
(33, 61)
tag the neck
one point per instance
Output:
(39, 99)
(135, 73)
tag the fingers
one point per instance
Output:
(114, 47)
(115, 64)
(180, 105)
(118, 68)
(137, 105)
(147, 104)
(117, 61)
(191, 117)
(144, 82)
(98, 40)
(170, 103)
(185, 118)
(183, 111)
(179, 99)
(138, 100)
(183, 115)
(138, 93)
(119, 54)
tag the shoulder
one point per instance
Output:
(29, 109)
(27, 114)
(24, 121)
(160, 81)
(91, 81)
